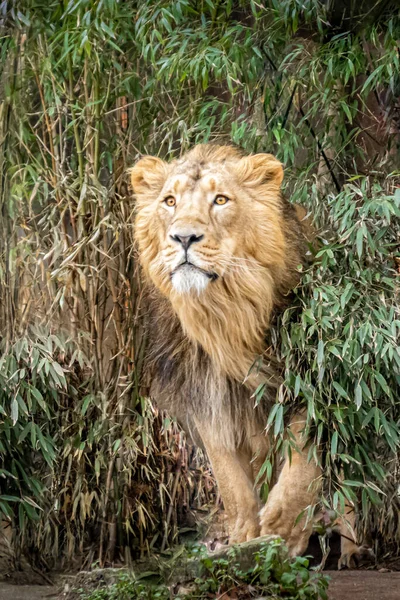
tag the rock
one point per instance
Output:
(179, 570)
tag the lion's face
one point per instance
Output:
(211, 216)
(199, 228)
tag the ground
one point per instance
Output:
(27, 592)
(345, 585)
(363, 585)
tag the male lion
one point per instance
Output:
(220, 247)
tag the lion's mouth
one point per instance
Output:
(190, 266)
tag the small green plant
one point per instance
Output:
(127, 588)
(272, 573)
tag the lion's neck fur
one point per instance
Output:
(229, 320)
(187, 381)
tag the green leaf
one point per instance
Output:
(86, 402)
(320, 353)
(334, 443)
(278, 420)
(340, 390)
(59, 370)
(358, 396)
(8, 498)
(14, 410)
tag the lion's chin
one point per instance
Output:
(188, 279)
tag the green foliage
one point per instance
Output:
(58, 436)
(273, 574)
(339, 340)
(31, 381)
(86, 87)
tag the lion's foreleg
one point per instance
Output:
(297, 489)
(234, 474)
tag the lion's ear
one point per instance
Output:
(260, 169)
(148, 175)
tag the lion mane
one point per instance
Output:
(202, 346)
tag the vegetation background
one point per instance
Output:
(89, 468)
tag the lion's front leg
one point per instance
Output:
(297, 489)
(233, 471)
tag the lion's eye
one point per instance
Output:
(221, 200)
(170, 201)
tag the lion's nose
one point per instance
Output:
(186, 240)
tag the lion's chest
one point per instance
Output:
(187, 383)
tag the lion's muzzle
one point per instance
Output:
(187, 278)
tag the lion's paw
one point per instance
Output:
(273, 521)
(277, 521)
(244, 530)
(355, 557)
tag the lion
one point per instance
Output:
(220, 249)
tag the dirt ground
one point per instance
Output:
(27, 592)
(364, 585)
(345, 585)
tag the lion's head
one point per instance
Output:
(212, 232)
